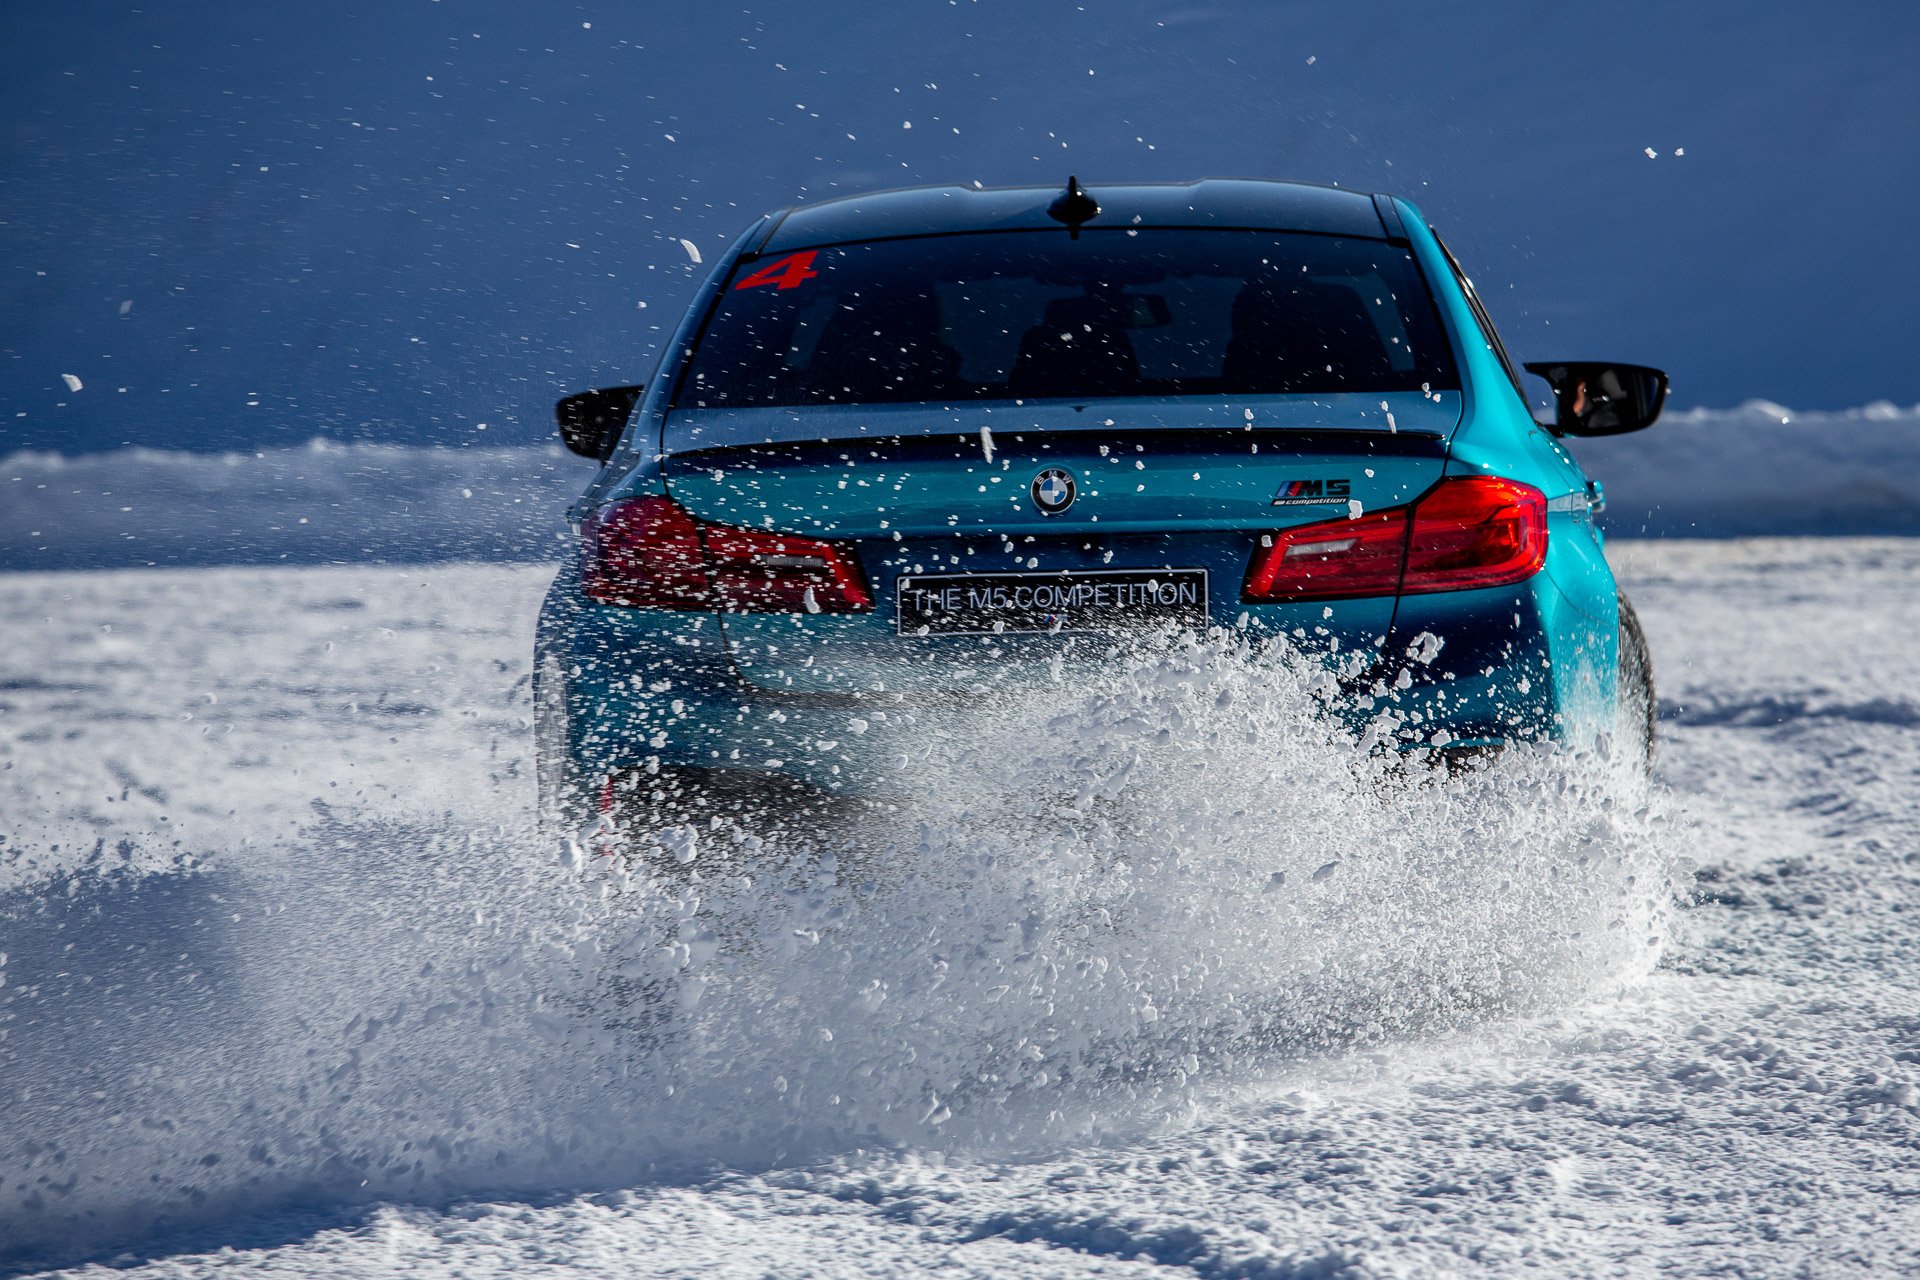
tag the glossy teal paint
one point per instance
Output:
(1555, 675)
(837, 699)
(917, 493)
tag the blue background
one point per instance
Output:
(399, 222)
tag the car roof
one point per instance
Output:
(1209, 202)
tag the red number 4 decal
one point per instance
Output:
(788, 272)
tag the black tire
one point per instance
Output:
(561, 807)
(1639, 704)
(762, 803)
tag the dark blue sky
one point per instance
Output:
(270, 222)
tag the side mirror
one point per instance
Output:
(1598, 399)
(591, 421)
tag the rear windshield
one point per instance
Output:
(1037, 315)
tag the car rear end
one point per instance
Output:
(883, 478)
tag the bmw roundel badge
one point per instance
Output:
(1053, 491)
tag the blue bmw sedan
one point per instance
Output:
(911, 449)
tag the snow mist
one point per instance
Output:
(1099, 910)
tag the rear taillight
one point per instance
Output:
(649, 553)
(1475, 531)
(1468, 531)
(1332, 559)
(754, 571)
(644, 553)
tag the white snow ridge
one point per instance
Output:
(1718, 473)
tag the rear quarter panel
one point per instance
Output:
(1563, 623)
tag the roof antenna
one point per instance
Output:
(1073, 207)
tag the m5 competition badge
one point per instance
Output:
(1313, 493)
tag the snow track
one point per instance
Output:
(286, 972)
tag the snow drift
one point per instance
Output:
(1763, 469)
(1716, 473)
(320, 504)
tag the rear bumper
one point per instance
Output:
(1485, 668)
(625, 691)
(633, 692)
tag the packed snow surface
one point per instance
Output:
(1149, 978)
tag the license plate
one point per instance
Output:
(968, 604)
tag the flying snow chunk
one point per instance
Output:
(73, 383)
(693, 250)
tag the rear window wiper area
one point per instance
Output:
(1115, 313)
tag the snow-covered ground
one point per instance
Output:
(292, 988)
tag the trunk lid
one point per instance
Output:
(921, 490)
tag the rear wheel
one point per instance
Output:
(771, 806)
(560, 805)
(1639, 708)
